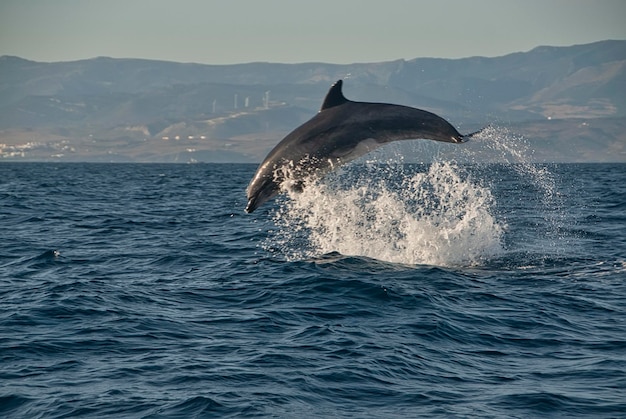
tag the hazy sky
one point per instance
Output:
(336, 31)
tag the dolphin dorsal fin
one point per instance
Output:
(334, 97)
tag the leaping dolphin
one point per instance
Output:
(340, 132)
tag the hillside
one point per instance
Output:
(568, 102)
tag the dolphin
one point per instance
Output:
(341, 131)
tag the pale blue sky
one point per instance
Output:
(336, 31)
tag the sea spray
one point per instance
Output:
(391, 213)
(442, 214)
(515, 151)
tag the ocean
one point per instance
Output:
(386, 290)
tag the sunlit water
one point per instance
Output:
(451, 289)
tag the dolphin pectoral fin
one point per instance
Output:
(352, 151)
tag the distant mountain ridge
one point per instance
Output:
(132, 109)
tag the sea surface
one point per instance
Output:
(386, 290)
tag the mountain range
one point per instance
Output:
(566, 103)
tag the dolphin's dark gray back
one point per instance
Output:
(341, 131)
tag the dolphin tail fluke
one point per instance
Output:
(469, 136)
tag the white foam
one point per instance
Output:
(439, 217)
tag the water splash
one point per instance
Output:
(515, 150)
(391, 213)
(437, 214)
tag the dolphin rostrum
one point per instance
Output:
(342, 131)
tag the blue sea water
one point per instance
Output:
(442, 290)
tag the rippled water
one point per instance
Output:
(443, 290)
